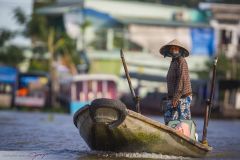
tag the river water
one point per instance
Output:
(46, 136)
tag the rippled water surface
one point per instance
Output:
(45, 136)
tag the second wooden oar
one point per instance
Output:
(209, 104)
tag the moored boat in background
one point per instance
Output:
(77, 91)
(33, 90)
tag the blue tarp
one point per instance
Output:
(24, 81)
(99, 18)
(203, 41)
(8, 74)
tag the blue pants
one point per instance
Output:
(182, 111)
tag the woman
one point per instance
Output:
(178, 83)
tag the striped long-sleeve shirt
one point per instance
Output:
(178, 80)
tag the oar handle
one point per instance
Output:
(127, 74)
(136, 98)
(213, 78)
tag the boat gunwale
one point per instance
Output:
(168, 129)
(76, 114)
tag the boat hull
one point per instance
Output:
(136, 133)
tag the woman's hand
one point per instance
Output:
(174, 103)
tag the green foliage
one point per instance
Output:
(20, 16)
(75, 58)
(36, 28)
(45, 37)
(65, 44)
(224, 66)
(38, 65)
(100, 40)
(11, 55)
(85, 25)
(118, 42)
(5, 35)
(106, 66)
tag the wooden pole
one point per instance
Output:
(209, 104)
(135, 98)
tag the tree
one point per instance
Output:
(9, 54)
(48, 38)
(5, 35)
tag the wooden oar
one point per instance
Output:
(135, 97)
(209, 104)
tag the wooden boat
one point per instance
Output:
(112, 128)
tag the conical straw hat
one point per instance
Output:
(165, 49)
